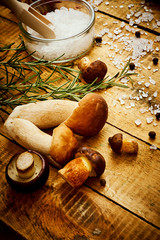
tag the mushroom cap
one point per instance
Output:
(96, 70)
(27, 184)
(116, 142)
(64, 144)
(90, 115)
(96, 159)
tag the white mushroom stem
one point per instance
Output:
(25, 165)
(45, 114)
(28, 135)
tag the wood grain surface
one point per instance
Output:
(127, 207)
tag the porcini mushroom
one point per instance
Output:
(27, 171)
(90, 115)
(92, 70)
(119, 144)
(61, 145)
(87, 163)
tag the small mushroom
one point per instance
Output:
(92, 71)
(119, 145)
(27, 171)
(87, 163)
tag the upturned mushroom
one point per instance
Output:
(92, 71)
(87, 163)
(27, 171)
(119, 144)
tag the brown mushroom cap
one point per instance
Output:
(96, 70)
(116, 142)
(96, 159)
(90, 115)
(27, 184)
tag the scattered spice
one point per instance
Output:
(158, 116)
(152, 134)
(137, 34)
(98, 39)
(155, 60)
(132, 66)
(102, 182)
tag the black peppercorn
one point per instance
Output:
(98, 39)
(132, 66)
(152, 134)
(103, 182)
(158, 116)
(137, 34)
(155, 60)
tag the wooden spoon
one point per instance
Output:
(32, 18)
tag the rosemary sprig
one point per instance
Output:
(23, 80)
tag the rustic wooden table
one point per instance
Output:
(128, 206)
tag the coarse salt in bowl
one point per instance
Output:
(73, 24)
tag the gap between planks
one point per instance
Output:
(126, 21)
(94, 190)
(126, 209)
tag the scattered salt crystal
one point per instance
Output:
(115, 22)
(106, 3)
(152, 81)
(157, 49)
(149, 67)
(145, 95)
(103, 32)
(124, 80)
(132, 104)
(117, 31)
(147, 84)
(137, 14)
(131, 22)
(98, 2)
(122, 102)
(143, 110)
(155, 94)
(149, 120)
(150, 99)
(131, 5)
(128, 16)
(153, 147)
(138, 122)
(122, 24)
(155, 70)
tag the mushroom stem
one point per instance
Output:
(25, 165)
(64, 144)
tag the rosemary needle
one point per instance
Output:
(23, 80)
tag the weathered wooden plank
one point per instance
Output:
(131, 180)
(142, 13)
(139, 102)
(57, 211)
